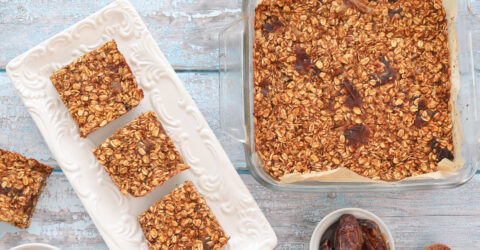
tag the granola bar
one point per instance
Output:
(182, 220)
(97, 88)
(358, 84)
(140, 156)
(21, 183)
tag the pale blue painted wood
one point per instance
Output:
(18, 132)
(186, 30)
(416, 219)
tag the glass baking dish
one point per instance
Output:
(236, 103)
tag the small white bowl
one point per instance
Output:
(333, 217)
(35, 246)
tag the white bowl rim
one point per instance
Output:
(30, 245)
(335, 215)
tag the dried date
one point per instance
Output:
(349, 234)
(372, 236)
(437, 247)
(353, 234)
(325, 246)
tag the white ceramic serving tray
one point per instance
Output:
(114, 214)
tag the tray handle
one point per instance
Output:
(231, 97)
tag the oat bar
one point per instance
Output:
(358, 84)
(21, 183)
(140, 156)
(182, 220)
(97, 88)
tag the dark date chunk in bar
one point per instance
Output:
(21, 183)
(140, 156)
(182, 220)
(97, 88)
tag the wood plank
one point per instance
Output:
(19, 133)
(416, 219)
(186, 31)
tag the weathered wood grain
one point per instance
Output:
(416, 219)
(19, 133)
(184, 29)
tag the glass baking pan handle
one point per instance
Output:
(231, 81)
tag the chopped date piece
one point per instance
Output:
(356, 135)
(372, 235)
(264, 85)
(422, 105)
(21, 183)
(272, 24)
(338, 71)
(441, 153)
(349, 234)
(353, 98)
(419, 121)
(392, 13)
(444, 153)
(303, 61)
(388, 74)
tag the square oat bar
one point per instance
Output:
(21, 183)
(140, 156)
(182, 220)
(97, 88)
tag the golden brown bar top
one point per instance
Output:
(21, 183)
(182, 220)
(97, 88)
(140, 156)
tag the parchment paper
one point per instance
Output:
(446, 167)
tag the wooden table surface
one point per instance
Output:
(187, 31)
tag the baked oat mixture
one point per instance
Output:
(97, 88)
(352, 83)
(182, 220)
(140, 156)
(21, 183)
